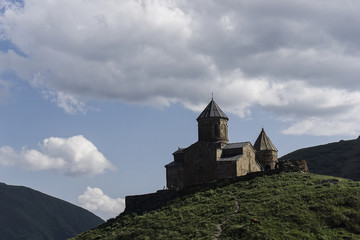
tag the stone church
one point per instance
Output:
(212, 157)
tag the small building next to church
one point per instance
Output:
(212, 157)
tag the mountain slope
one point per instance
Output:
(341, 159)
(281, 206)
(31, 215)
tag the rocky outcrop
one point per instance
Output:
(293, 165)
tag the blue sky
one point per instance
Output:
(96, 95)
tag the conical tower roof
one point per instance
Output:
(212, 110)
(263, 142)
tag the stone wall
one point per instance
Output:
(200, 163)
(267, 158)
(175, 175)
(225, 169)
(213, 129)
(153, 201)
(247, 162)
(149, 202)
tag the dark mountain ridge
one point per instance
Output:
(27, 214)
(340, 159)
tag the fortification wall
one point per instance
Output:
(149, 202)
(153, 201)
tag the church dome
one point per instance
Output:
(212, 110)
(263, 143)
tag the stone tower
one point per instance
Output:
(266, 152)
(212, 124)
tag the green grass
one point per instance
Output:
(282, 206)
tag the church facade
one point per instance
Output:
(212, 157)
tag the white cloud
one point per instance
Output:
(74, 156)
(69, 103)
(8, 156)
(321, 127)
(298, 60)
(94, 200)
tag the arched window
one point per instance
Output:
(223, 131)
(216, 130)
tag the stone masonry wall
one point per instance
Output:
(149, 202)
(200, 163)
(267, 158)
(247, 163)
(225, 169)
(213, 129)
(153, 201)
(175, 176)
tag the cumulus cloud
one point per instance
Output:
(7, 156)
(299, 60)
(94, 200)
(74, 156)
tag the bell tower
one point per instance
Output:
(212, 124)
(266, 152)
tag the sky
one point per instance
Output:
(95, 96)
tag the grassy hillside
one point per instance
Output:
(31, 215)
(341, 159)
(281, 206)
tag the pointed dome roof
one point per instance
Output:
(212, 110)
(263, 142)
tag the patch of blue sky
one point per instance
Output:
(19, 3)
(6, 45)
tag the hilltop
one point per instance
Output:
(31, 215)
(341, 159)
(281, 206)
